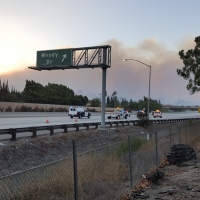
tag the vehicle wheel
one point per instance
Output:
(109, 117)
(71, 117)
(125, 117)
(154, 117)
(88, 116)
(160, 117)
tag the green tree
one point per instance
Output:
(191, 69)
(95, 102)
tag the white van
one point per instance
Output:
(78, 112)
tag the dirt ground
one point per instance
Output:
(178, 183)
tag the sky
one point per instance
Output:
(151, 31)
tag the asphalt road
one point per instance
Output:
(20, 120)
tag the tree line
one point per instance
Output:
(113, 102)
(37, 93)
(62, 95)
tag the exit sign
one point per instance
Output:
(57, 57)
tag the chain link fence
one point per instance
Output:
(103, 173)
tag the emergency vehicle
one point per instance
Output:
(79, 112)
(157, 113)
(141, 113)
(116, 114)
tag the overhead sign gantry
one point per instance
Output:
(77, 58)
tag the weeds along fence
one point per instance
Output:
(103, 173)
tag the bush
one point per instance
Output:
(51, 109)
(61, 109)
(1, 109)
(36, 109)
(8, 109)
(17, 109)
(144, 121)
(26, 109)
(91, 110)
(136, 143)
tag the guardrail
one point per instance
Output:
(13, 131)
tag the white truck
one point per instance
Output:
(157, 113)
(79, 112)
(116, 114)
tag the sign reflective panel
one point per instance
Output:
(57, 57)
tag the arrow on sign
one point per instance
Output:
(64, 57)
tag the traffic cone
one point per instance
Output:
(47, 121)
(76, 120)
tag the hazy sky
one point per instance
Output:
(152, 31)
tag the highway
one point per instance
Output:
(30, 119)
(26, 119)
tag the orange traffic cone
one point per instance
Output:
(47, 121)
(76, 120)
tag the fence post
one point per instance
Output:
(156, 141)
(130, 161)
(75, 171)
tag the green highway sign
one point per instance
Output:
(57, 57)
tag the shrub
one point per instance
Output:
(17, 109)
(25, 108)
(36, 109)
(144, 121)
(91, 110)
(8, 109)
(1, 109)
(51, 109)
(60, 109)
(136, 143)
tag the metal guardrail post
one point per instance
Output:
(77, 127)
(13, 132)
(170, 138)
(34, 132)
(130, 161)
(64, 126)
(51, 130)
(87, 126)
(186, 134)
(156, 141)
(75, 171)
